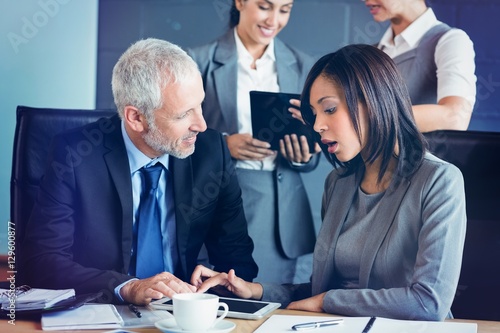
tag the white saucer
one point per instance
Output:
(170, 326)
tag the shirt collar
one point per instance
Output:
(413, 33)
(245, 55)
(136, 158)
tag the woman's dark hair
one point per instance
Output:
(368, 76)
(234, 15)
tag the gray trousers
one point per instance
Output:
(259, 202)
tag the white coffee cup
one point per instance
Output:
(197, 312)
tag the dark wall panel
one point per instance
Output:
(479, 18)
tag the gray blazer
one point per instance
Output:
(411, 264)
(217, 62)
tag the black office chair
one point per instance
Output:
(35, 128)
(477, 155)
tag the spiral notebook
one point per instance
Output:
(25, 298)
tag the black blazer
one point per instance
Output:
(80, 232)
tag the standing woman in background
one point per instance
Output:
(436, 61)
(250, 57)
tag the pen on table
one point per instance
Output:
(316, 324)
(369, 325)
(134, 309)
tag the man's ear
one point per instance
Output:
(134, 119)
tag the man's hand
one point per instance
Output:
(244, 147)
(204, 278)
(141, 292)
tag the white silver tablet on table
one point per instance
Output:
(238, 308)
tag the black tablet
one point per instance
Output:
(271, 120)
(238, 308)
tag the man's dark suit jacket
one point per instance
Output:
(80, 232)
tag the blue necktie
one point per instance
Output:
(148, 242)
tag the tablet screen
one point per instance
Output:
(237, 305)
(271, 120)
(241, 306)
(238, 308)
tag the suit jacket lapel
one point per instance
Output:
(323, 270)
(288, 78)
(225, 79)
(117, 161)
(384, 217)
(225, 76)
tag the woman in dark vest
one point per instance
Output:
(436, 61)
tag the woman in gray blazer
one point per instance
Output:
(393, 214)
(250, 57)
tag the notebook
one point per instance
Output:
(25, 298)
(101, 316)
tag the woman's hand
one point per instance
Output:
(204, 278)
(293, 148)
(312, 304)
(295, 110)
(244, 147)
(296, 149)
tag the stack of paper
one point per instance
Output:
(25, 298)
(101, 316)
(284, 323)
(88, 316)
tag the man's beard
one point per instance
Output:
(157, 141)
